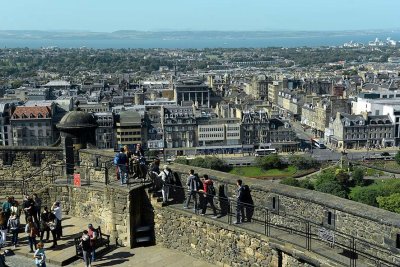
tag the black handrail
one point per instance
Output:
(354, 245)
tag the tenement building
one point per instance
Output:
(362, 131)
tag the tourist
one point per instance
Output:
(44, 224)
(154, 172)
(128, 154)
(209, 193)
(121, 161)
(38, 206)
(86, 249)
(192, 190)
(7, 208)
(25, 205)
(140, 162)
(3, 228)
(15, 209)
(166, 178)
(40, 255)
(239, 203)
(30, 209)
(93, 234)
(32, 230)
(13, 225)
(57, 211)
(48, 224)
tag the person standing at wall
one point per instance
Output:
(239, 203)
(209, 193)
(38, 206)
(192, 190)
(166, 178)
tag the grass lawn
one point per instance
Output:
(385, 164)
(257, 172)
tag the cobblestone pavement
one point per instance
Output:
(21, 261)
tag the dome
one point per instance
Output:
(77, 120)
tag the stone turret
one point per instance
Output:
(77, 131)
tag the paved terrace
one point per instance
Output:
(64, 253)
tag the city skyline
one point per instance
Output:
(207, 15)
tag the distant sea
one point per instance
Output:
(311, 41)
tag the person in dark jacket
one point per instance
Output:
(86, 248)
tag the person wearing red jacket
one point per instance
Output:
(208, 196)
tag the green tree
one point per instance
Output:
(272, 161)
(397, 157)
(327, 183)
(307, 184)
(390, 203)
(358, 176)
(303, 162)
(369, 194)
(290, 181)
(332, 187)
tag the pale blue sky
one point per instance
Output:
(106, 15)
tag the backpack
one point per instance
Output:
(211, 190)
(198, 183)
(168, 177)
(116, 159)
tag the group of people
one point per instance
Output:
(88, 245)
(130, 163)
(204, 189)
(37, 222)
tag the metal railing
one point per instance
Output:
(325, 241)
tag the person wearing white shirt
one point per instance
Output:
(165, 175)
(56, 208)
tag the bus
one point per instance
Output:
(264, 152)
(318, 143)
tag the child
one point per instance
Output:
(40, 256)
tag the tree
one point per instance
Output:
(272, 161)
(390, 203)
(290, 181)
(303, 162)
(397, 157)
(332, 187)
(358, 176)
(327, 183)
(369, 194)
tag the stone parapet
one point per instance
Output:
(368, 225)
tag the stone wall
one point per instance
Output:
(367, 224)
(19, 164)
(115, 209)
(225, 245)
(97, 165)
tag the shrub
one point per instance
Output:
(290, 181)
(303, 162)
(358, 176)
(397, 157)
(390, 203)
(369, 194)
(332, 187)
(272, 161)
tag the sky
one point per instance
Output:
(199, 15)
